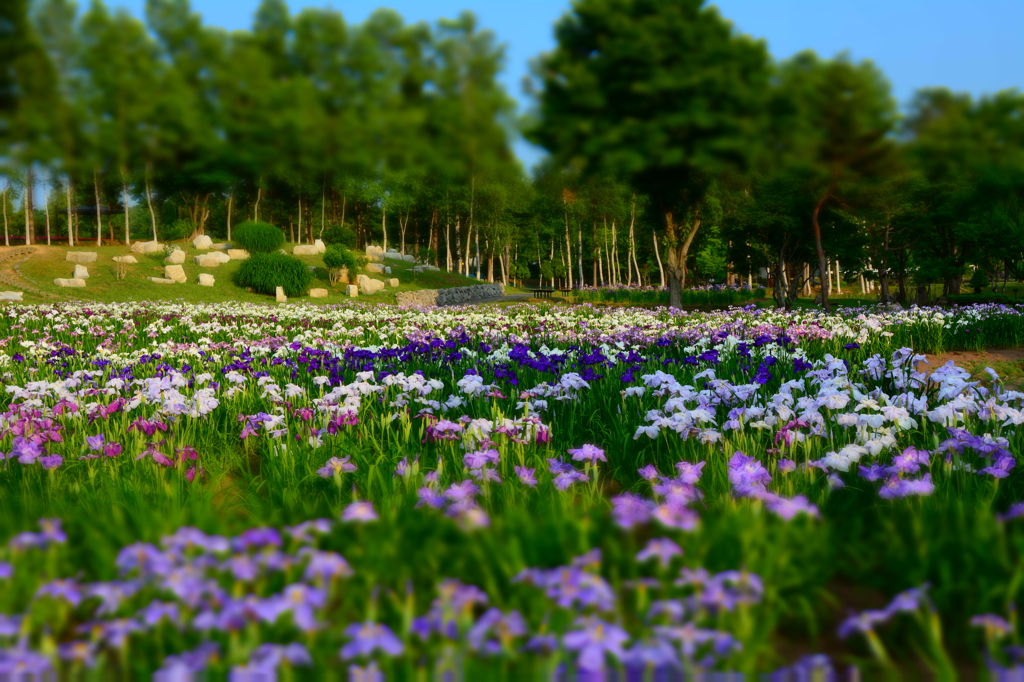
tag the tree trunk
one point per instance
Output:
(678, 251)
(46, 207)
(568, 241)
(231, 200)
(99, 218)
(256, 207)
(657, 255)
(822, 265)
(149, 202)
(71, 226)
(7, 233)
(124, 200)
(29, 217)
(478, 263)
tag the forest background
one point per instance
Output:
(680, 151)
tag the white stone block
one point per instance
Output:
(10, 295)
(367, 286)
(160, 280)
(409, 258)
(81, 257)
(279, 293)
(206, 280)
(223, 246)
(375, 268)
(387, 270)
(352, 290)
(238, 254)
(81, 272)
(305, 250)
(202, 242)
(318, 293)
(207, 261)
(147, 247)
(393, 282)
(320, 246)
(76, 283)
(176, 257)
(175, 273)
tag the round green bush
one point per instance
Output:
(257, 237)
(339, 234)
(179, 229)
(264, 272)
(337, 257)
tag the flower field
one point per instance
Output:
(530, 492)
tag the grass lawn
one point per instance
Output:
(49, 263)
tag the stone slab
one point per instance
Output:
(207, 261)
(367, 286)
(408, 258)
(305, 250)
(202, 242)
(81, 257)
(352, 290)
(222, 246)
(147, 247)
(74, 283)
(176, 257)
(393, 282)
(175, 273)
(279, 294)
(206, 280)
(10, 295)
(127, 260)
(375, 268)
(318, 293)
(238, 254)
(81, 272)
(160, 280)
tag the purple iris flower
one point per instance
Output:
(648, 473)
(27, 451)
(50, 462)
(458, 492)
(690, 473)
(428, 497)
(112, 449)
(789, 508)
(335, 467)
(1015, 511)
(95, 443)
(593, 641)
(526, 476)
(630, 509)
(588, 453)
(157, 611)
(68, 590)
(323, 567)
(359, 511)
(661, 548)
(875, 472)
(368, 637)
(786, 466)
(565, 479)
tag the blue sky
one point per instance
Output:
(967, 46)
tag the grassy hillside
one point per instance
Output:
(49, 263)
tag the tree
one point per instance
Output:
(664, 93)
(843, 114)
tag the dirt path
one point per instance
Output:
(11, 259)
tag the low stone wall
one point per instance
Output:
(453, 296)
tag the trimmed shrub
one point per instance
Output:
(179, 229)
(264, 272)
(339, 234)
(337, 257)
(257, 237)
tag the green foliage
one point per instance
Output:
(337, 257)
(979, 280)
(264, 272)
(258, 237)
(339, 234)
(175, 231)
